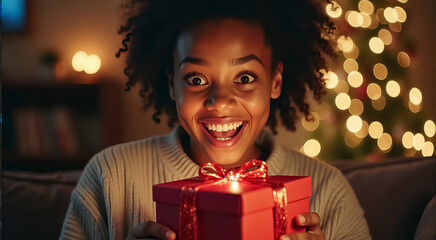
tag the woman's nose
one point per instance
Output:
(219, 99)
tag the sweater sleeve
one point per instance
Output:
(86, 217)
(344, 219)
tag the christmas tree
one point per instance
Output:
(371, 110)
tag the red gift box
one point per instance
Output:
(234, 210)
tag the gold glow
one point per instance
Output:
(385, 142)
(379, 103)
(342, 101)
(363, 130)
(415, 96)
(374, 91)
(355, 79)
(380, 71)
(78, 60)
(311, 125)
(403, 59)
(401, 14)
(429, 128)
(418, 141)
(354, 123)
(345, 44)
(390, 15)
(407, 139)
(375, 129)
(376, 45)
(312, 148)
(354, 18)
(366, 7)
(427, 149)
(393, 88)
(331, 80)
(342, 87)
(334, 10)
(353, 53)
(351, 139)
(356, 107)
(350, 65)
(92, 64)
(385, 36)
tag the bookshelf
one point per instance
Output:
(58, 126)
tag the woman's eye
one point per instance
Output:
(246, 78)
(196, 80)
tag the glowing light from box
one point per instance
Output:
(376, 45)
(342, 87)
(418, 141)
(355, 79)
(331, 80)
(379, 103)
(363, 132)
(356, 107)
(350, 65)
(415, 96)
(407, 140)
(90, 64)
(385, 36)
(374, 91)
(235, 187)
(342, 101)
(385, 142)
(312, 148)
(311, 125)
(380, 71)
(333, 9)
(401, 14)
(345, 44)
(428, 149)
(375, 129)
(390, 15)
(354, 123)
(366, 7)
(429, 128)
(403, 59)
(393, 88)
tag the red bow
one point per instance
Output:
(253, 169)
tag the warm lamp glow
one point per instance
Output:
(82, 62)
(78, 60)
(429, 128)
(312, 148)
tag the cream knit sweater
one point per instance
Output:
(114, 193)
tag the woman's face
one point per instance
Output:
(222, 86)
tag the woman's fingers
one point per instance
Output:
(311, 220)
(151, 229)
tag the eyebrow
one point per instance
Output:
(234, 61)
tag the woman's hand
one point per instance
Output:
(151, 230)
(309, 220)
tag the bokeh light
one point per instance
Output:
(354, 123)
(345, 44)
(427, 149)
(385, 36)
(363, 132)
(352, 140)
(342, 87)
(331, 79)
(380, 71)
(333, 9)
(354, 18)
(366, 7)
(353, 53)
(393, 88)
(350, 65)
(407, 139)
(390, 15)
(376, 45)
(374, 91)
(415, 96)
(78, 61)
(429, 128)
(380, 16)
(312, 147)
(356, 107)
(403, 59)
(92, 64)
(401, 14)
(342, 101)
(311, 125)
(384, 142)
(418, 141)
(379, 103)
(375, 129)
(355, 79)
(414, 108)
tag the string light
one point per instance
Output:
(418, 141)
(379, 103)
(366, 20)
(374, 91)
(401, 14)
(354, 18)
(380, 71)
(393, 88)
(384, 142)
(396, 27)
(407, 139)
(375, 129)
(429, 128)
(414, 108)
(376, 45)
(355, 79)
(354, 123)
(427, 149)
(353, 53)
(342, 101)
(312, 148)
(350, 65)
(415, 96)
(390, 15)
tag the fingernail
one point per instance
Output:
(301, 219)
(285, 238)
(170, 235)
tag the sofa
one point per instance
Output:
(393, 193)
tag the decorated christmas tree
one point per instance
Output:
(372, 110)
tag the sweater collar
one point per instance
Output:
(179, 163)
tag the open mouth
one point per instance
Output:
(224, 132)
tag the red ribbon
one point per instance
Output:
(215, 173)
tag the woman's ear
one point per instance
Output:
(171, 85)
(277, 80)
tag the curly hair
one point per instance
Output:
(299, 33)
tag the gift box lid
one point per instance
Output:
(234, 197)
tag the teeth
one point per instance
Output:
(223, 128)
(223, 139)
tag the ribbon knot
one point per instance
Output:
(254, 169)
